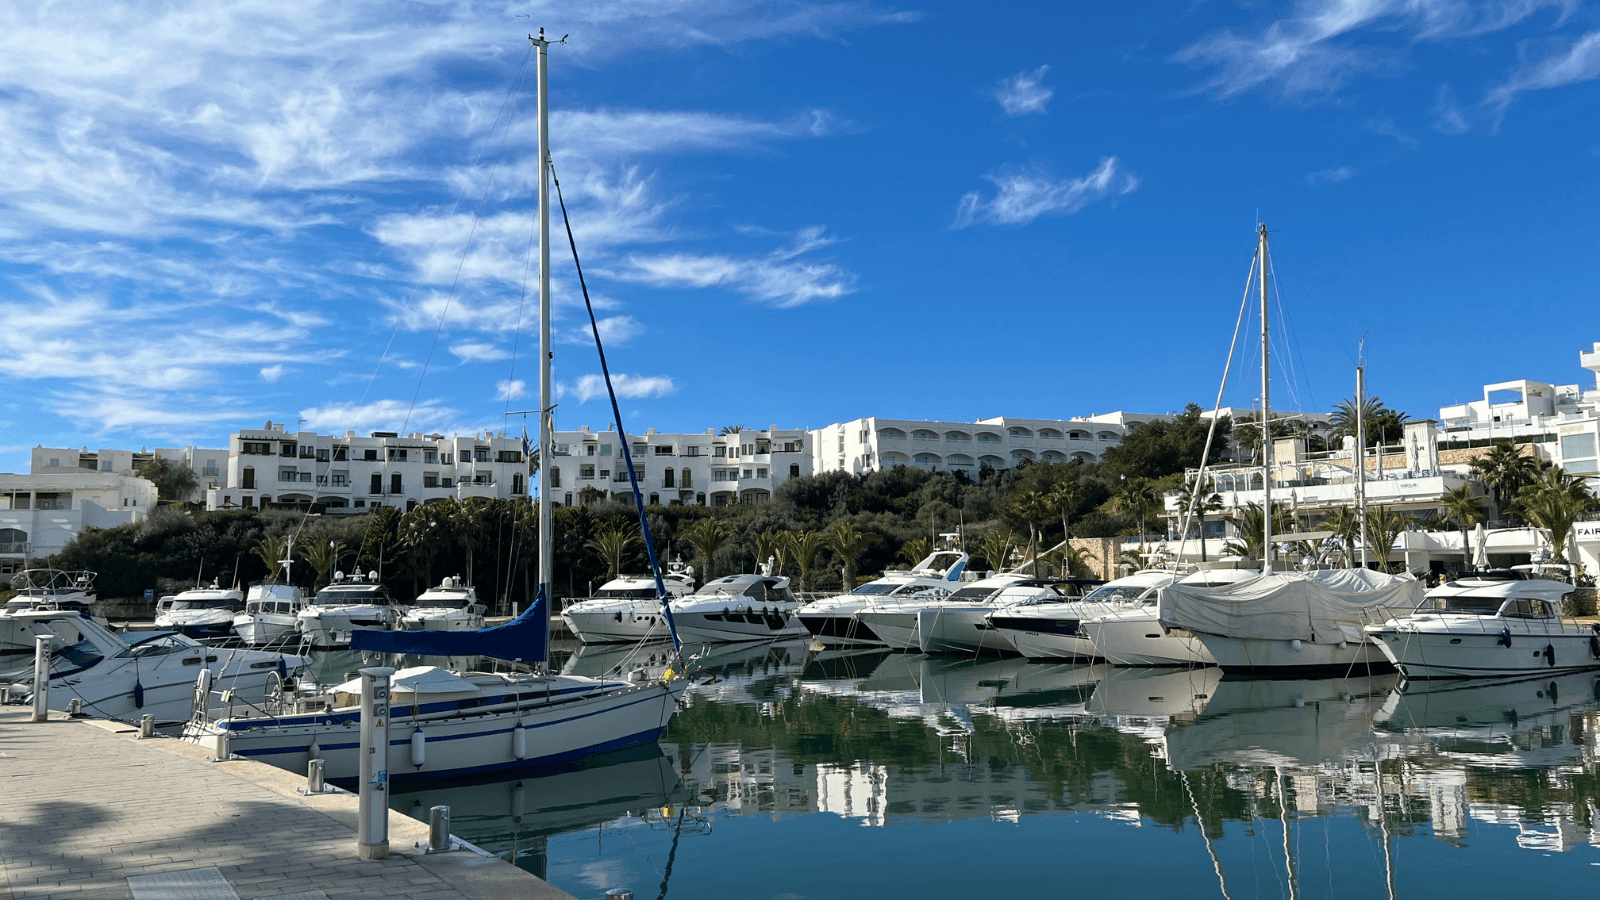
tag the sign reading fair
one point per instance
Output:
(1586, 532)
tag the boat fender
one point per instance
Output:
(1550, 655)
(1594, 645)
(315, 751)
(1505, 637)
(1294, 644)
(419, 748)
(519, 741)
(138, 694)
(202, 691)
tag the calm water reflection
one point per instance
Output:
(876, 774)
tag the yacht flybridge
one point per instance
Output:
(1489, 624)
(348, 605)
(739, 608)
(41, 589)
(271, 614)
(202, 612)
(452, 606)
(834, 620)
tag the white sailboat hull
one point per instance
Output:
(597, 718)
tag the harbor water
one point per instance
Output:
(794, 773)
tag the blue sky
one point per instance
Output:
(215, 214)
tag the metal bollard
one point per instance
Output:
(619, 894)
(41, 677)
(372, 824)
(315, 784)
(75, 707)
(147, 726)
(439, 829)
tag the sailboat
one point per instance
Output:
(1281, 623)
(446, 723)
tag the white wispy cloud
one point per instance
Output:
(778, 278)
(1331, 176)
(1319, 47)
(1448, 116)
(1024, 93)
(1578, 62)
(270, 374)
(1023, 195)
(479, 351)
(632, 387)
(379, 415)
(511, 390)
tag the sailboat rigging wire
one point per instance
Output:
(616, 413)
(1216, 411)
(1291, 341)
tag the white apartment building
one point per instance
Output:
(874, 444)
(350, 473)
(41, 513)
(1562, 421)
(208, 465)
(706, 469)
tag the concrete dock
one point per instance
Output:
(88, 811)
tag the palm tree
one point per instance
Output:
(1506, 471)
(1074, 562)
(324, 558)
(1463, 506)
(707, 536)
(1030, 508)
(914, 551)
(1345, 523)
(731, 429)
(783, 549)
(1202, 498)
(849, 543)
(1138, 497)
(1383, 529)
(468, 525)
(1553, 503)
(611, 546)
(1064, 499)
(994, 547)
(804, 547)
(764, 544)
(270, 551)
(1249, 522)
(1382, 423)
(588, 495)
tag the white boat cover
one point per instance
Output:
(1325, 605)
(417, 680)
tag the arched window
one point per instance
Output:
(687, 480)
(13, 540)
(555, 479)
(377, 483)
(394, 483)
(655, 499)
(667, 477)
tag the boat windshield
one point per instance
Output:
(874, 587)
(967, 594)
(206, 603)
(440, 603)
(352, 595)
(1109, 594)
(81, 655)
(626, 593)
(1465, 603)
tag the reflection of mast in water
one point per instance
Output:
(1216, 864)
(1288, 851)
(1383, 825)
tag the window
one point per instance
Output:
(341, 454)
(667, 478)
(1577, 446)
(761, 473)
(255, 448)
(55, 462)
(247, 478)
(430, 456)
(516, 483)
(105, 465)
(605, 449)
(210, 469)
(663, 449)
(370, 455)
(377, 483)
(305, 477)
(746, 473)
(480, 454)
(555, 477)
(719, 451)
(397, 454)
(446, 459)
(655, 499)
(794, 470)
(394, 482)
(691, 451)
(341, 479)
(322, 479)
(586, 471)
(509, 456)
(482, 478)
(687, 480)
(430, 479)
(288, 449)
(640, 450)
(13, 540)
(590, 449)
(322, 454)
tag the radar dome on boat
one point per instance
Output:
(373, 575)
(338, 575)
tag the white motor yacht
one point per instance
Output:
(203, 612)
(959, 624)
(149, 673)
(894, 618)
(625, 609)
(1293, 623)
(1490, 624)
(346, 605)
(41, 589)
(833, 620)
(452, 606)
(1053, 628)
(271, 614)
(739, 608)
(1134, 636)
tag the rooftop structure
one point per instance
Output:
(874, 444)
(41, 513)
(705, 469)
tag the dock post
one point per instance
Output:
(41, 677)
(372, 825)
(315, 782)
(439, 829)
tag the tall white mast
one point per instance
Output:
(546, 412)
(1360, 456)
(1266, 415)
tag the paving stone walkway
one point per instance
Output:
(84, 808)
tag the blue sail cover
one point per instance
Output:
(523, 639)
